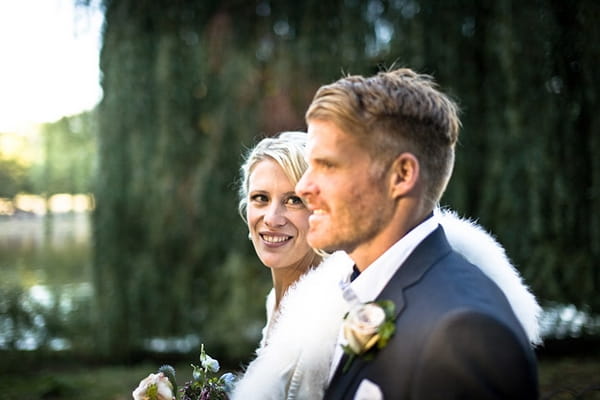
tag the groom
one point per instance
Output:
(380, 154)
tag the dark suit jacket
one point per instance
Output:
(456, 335)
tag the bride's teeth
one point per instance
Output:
(275, 239)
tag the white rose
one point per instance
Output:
(154, 387)
(361, 327)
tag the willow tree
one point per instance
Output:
(526, 162)
(169, 144)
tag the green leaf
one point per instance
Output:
(388, 307)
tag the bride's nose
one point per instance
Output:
(275, 215)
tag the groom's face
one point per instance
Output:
(349, 205)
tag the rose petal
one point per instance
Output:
(371, 342)
(352, 340)
(368, 316)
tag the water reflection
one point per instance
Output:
(45, 293)
(41, 306)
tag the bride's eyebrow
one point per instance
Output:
(257, 191)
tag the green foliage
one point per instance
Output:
(69, 149)
(388, 328)
(13, 177)
(189, 85)
(169, 148)
(525, 166)
(64, 161)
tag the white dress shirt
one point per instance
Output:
(375, 277)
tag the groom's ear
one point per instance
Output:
(405, 174)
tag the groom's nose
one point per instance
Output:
(306, 185)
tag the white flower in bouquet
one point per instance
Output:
(154, 387)
(209, 363)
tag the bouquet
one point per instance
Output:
(205, 385)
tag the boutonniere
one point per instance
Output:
(367, 327)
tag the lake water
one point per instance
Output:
(46, 275)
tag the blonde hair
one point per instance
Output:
(394, 112)
(287, 149)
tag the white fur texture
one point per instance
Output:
(294, 363)
(480, 248)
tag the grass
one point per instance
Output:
(570, 378)
(560, 378)
(80, 382)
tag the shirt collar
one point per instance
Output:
(373, 279)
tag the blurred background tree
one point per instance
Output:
(190, 84)
(69, 156)
(13, 176)
(64, 160)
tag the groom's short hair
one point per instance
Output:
(394, 112)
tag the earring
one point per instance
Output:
(249, 236)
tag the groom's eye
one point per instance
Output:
(325, 164)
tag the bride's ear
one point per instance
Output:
(405, 173)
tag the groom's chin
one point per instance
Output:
(323, 242)
(316, 240)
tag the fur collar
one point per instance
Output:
(481, 249)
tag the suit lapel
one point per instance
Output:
(431, 249)
(425, 255)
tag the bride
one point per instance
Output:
(305, 307)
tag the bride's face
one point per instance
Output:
(277, 218)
